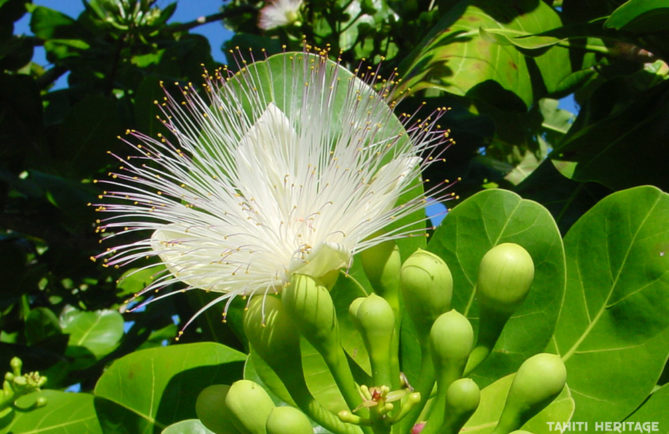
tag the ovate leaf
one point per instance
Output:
(640, 15)
(98, 332)
(614, 323)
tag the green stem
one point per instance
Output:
(341, 372)
(294, 381)
(424, 386)
(491, 324)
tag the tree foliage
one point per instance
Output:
(501, 67)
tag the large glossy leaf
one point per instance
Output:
(484, 220)
(457, 55)
(63, 413)
(150, 389)
(493, 397)
(614, 322)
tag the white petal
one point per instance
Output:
(278, 13)
(264, 148)
(183, 256)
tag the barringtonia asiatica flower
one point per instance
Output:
(279, 13)
(292, 165)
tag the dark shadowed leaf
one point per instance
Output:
(154, 388)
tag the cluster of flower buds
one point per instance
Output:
(245, 407)
(442, 398)
(16, 385)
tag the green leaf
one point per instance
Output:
(320, 380)
(189, 426)
(493, 398)
(556, 119)
(47, 23)
(654, 409)
(614, 323)
(153, 388)
(520, 39)
(479, 223)
(99, 332)
(455, 59)
(63, 413)
(640, 15)
(459, 54)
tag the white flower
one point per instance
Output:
(279, 13)
(292, 165)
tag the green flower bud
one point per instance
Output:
(275, 338)
(41, 401)
(539, 380)
(210, 408)
(451, 340)
(353, 308)
(271, 332)
(376, 316)
(376, 321)
(382, 266)
(463, 394)
(505, 275)
(427, 287)
(462, 400)
(288, 420)
(250, 405)
(16, 364)
(312, 310)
